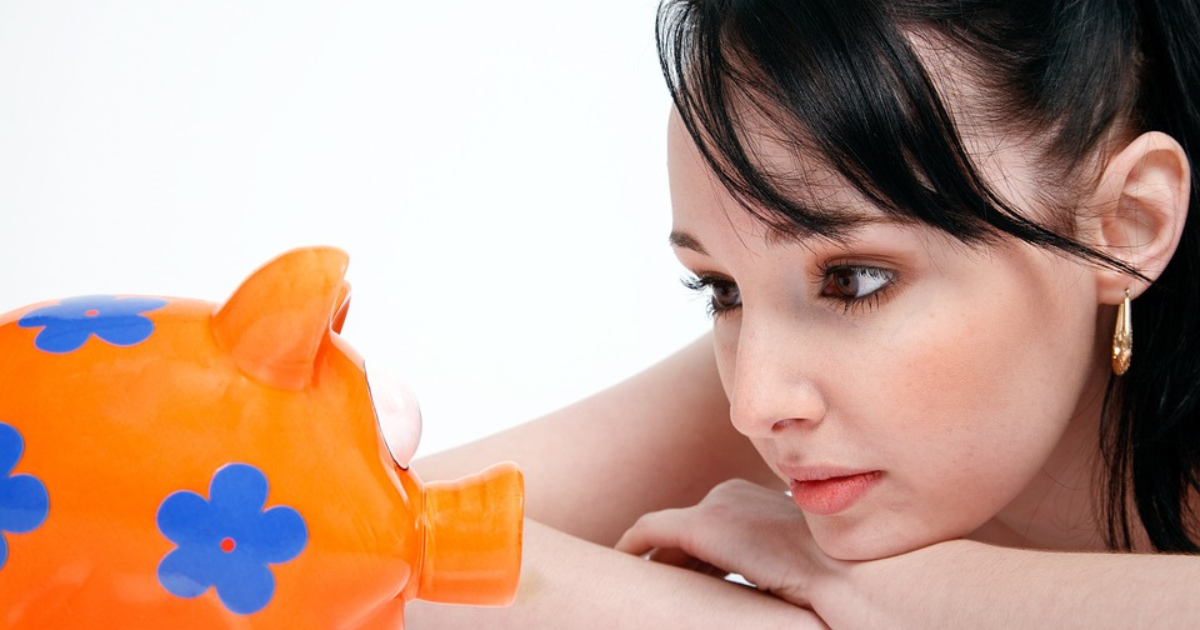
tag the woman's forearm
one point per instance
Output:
(661, 438)
(569, 583)
(963, 584)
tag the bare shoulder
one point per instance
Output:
(659, 439)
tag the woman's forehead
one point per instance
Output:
(810, 183)
(784, 156)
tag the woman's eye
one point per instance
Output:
(723, 295)
(852, 283)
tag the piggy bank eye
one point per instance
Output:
(397, 413)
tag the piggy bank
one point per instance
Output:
(174, 463)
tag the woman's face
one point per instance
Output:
(909, 387)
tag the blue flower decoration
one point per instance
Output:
(24, 503)
(69, 324)
(228, 541)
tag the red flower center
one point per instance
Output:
(227, 545)
(91, 312)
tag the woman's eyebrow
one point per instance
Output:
(847, 229)
(686, 241)
(849, 232)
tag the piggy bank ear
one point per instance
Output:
(397, 412)
(278, 318)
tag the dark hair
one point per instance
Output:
(841, 80)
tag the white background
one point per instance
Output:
(496, 171)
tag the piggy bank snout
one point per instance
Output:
(473, 529)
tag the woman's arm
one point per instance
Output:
(659, 439)
(759, 533)
(964, 584)
(570, 584)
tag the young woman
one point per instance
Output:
(929, 230)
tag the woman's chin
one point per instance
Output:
(861, 544)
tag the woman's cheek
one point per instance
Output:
(725, 347)
(982, 410)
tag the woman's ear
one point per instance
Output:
(1141, 204)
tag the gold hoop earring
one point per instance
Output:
(1122, 349)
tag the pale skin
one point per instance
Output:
(965, 381)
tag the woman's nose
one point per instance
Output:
(774, 386)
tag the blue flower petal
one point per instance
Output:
(61, 339)
(24, 504)
(11, 447)
(69, 324)
(42, 316)
(279, 535)
(68, 310)
(124, 331)
(3, 551)
(185, 518)
(246, 589)
(237, 492)
(35, 319)
(187, 571)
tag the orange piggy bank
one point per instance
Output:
(172, 463)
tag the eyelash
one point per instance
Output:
(869, 301)
(707, 283)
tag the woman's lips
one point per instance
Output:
(825, 497)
